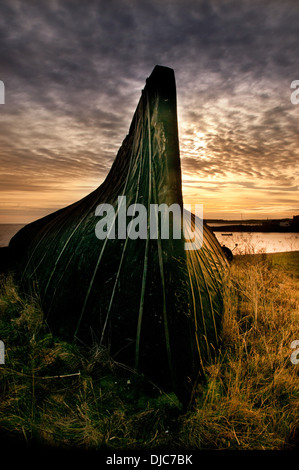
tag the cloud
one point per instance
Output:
(73, 72)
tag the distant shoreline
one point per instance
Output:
(228, 226)
(254, 228)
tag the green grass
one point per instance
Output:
(58, 394)
(288, 261)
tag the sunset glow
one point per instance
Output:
(73, 77)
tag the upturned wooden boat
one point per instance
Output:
(154, 305)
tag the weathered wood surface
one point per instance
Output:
(155, 306)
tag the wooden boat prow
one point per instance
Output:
(155, 306)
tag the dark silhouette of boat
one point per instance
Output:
(155, 306)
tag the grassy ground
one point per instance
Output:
(288, 261)
(57, 394)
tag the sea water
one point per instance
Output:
(239, 242)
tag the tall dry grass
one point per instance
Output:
(251, 400)
(56, 393)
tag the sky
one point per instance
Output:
(73, 73)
